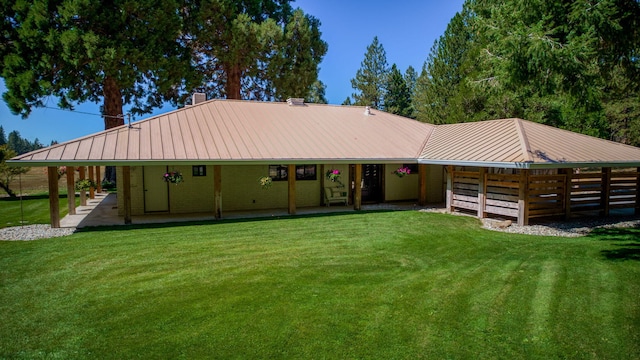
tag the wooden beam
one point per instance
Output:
(322, 177)
(71, 190)
(92, 194)
(606, 190)
(54, 201)
(217, 191)
(98, 181)
(482, 193)
(523, 198)
(83, 194)
(637, 210)
(126, 193)
(568, 184)
(449, 195)
(292, 188)
(357, 180)
(422, 184)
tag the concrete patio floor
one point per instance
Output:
(103, 211)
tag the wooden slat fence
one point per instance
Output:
(586, 192)
(623, 190)
(465, 189)
(546, 195)
(502, 194)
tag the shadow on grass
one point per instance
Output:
(32, 197)
(628, 243)
(226, 221)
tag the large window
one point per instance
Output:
(303, 172)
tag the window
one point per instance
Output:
(199, 170)
(303, 172)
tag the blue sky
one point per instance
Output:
(406, 29)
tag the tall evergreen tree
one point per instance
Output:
(397, 99)
(410, 77)
(556, 61)
(317, 93)
(371, 79)
(252, 49)
(120, 52)
(442, 76)
(3, 137)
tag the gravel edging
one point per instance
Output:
(571, 228)
(576, 227)
(33, 232)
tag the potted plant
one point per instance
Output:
(402, 171)
(85, 185)
(333, 175)
(174, 177)
(265, 182)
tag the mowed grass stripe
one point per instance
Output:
(365, 285)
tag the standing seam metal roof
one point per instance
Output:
(232, 131)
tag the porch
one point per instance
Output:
(103, 211)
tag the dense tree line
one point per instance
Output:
(569, 64)
(17, 143)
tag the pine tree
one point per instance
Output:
(118, 52)
(371, 79)
(397, 99)
(258, 50)
(443, 74)
(317, 93)
(3, 138)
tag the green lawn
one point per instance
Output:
(390, 285)
(34, 209)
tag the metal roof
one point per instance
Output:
(519, 143)
(250, 132)
(232, 131)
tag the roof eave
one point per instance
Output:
(46, 163)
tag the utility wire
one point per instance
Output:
(121, 116)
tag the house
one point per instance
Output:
(507, 167)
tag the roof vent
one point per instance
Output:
(198, 98)
(295, 101)
(367, 110)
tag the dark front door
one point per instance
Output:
(372, 183)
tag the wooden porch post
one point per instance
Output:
(568, 184)
(422, 184)
(54, 201)
(98, 181)
(83, 194)
(217, 191)
(71, 190)
(126, 193)
(606, 190)
(292, 188)
(482, 192)
(637, 209)
(92, 194)
(357, 181)
(523, 198)
(449, 195)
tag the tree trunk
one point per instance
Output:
(113, 115)
(232, 87)
(10, 192)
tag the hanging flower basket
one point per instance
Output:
(85, 185)
(333, 175)
(401, 172)
(174, 177)
(265, 182)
